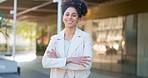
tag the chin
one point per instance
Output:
(70, 26)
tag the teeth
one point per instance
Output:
(69, 21)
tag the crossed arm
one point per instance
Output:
(81, 60)
(52, 60)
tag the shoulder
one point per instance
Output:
(85, 34)
(54, 37)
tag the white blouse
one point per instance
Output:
(66, 49)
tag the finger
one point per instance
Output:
(48, 51)
(85, 57)
(82, 64)
(52, 50)
(48, 55)
(87, 60)
(54, 54)
(51, 55)
(86, 63)
(82, 59)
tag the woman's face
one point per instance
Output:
(70, 17)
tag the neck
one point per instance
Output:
(69, 32)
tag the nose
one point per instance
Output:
(70, 16)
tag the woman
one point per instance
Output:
(69, 54)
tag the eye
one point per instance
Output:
(66, 14)
(74, 15)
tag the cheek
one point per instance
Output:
(63, 20)
(63, 17)
(76, 20)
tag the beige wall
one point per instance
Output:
(125, 7)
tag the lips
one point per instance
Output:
(69, 22)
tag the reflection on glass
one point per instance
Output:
(108, 43)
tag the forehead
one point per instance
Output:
(71, 10)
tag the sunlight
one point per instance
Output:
(23, 57)
(2, 39)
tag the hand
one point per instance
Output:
(52, 54)
(83, 60)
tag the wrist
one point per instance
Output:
(68, 60)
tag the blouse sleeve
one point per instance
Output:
(48, 62)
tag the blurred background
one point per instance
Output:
(118, 29)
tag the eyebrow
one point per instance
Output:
(72, 13)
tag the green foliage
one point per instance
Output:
(26, 30)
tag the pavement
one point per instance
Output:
(34, 69)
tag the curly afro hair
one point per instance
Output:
(79, 5)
